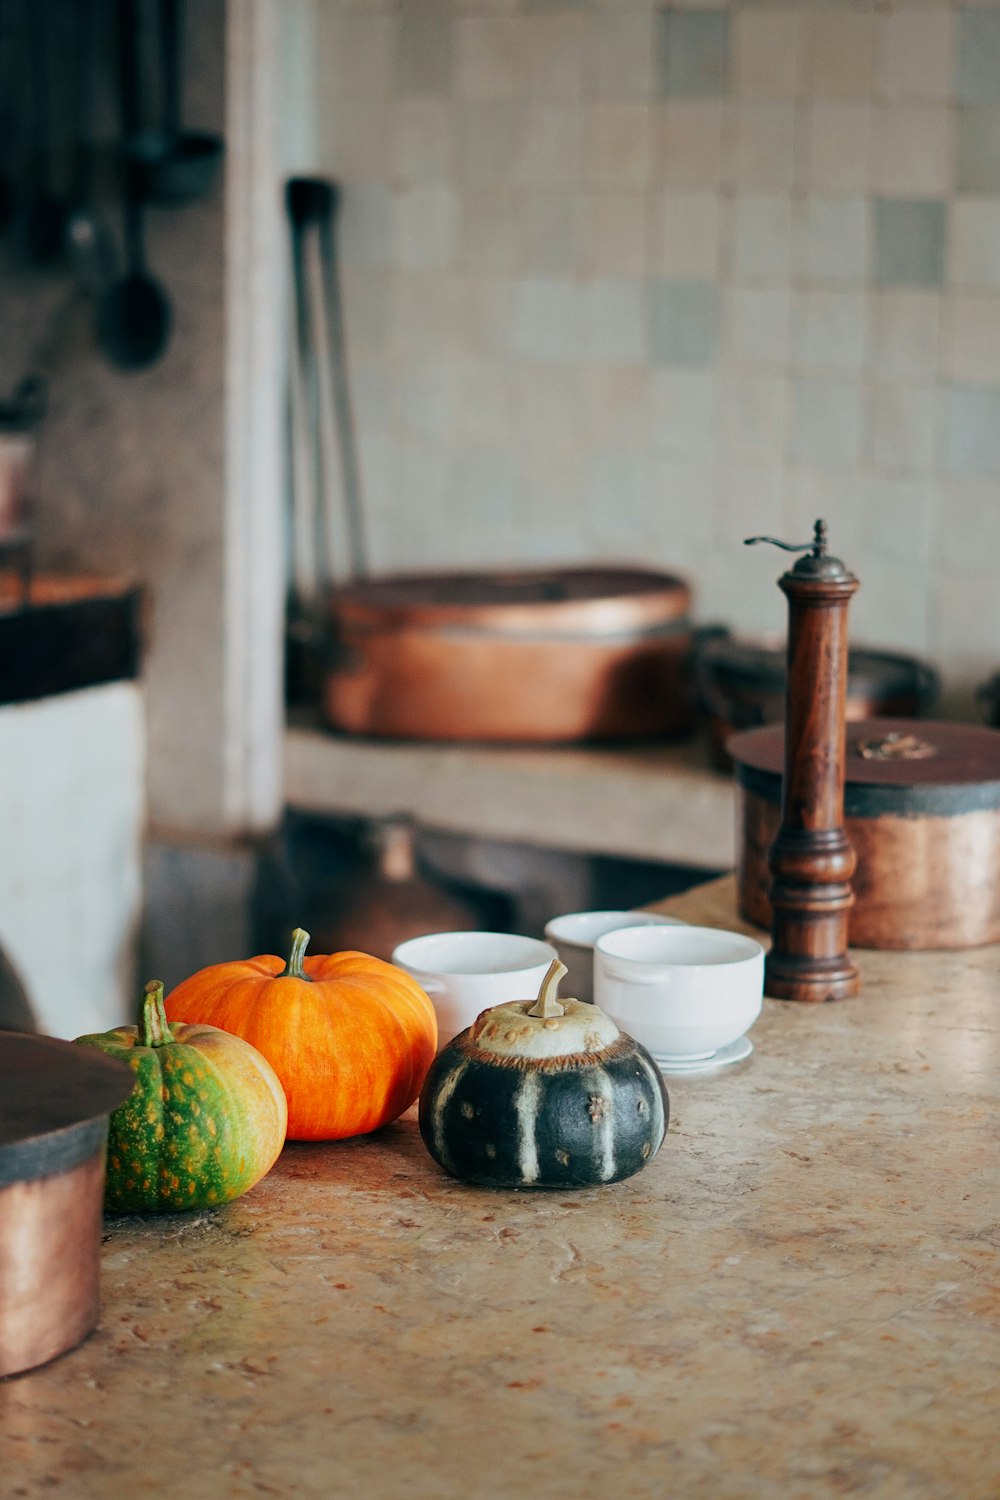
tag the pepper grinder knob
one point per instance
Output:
(811, 860)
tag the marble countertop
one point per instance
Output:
(799, 1297)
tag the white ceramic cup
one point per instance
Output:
(466, 973)
(575, 934)
(684, 992)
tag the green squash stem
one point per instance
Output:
(154, 1029)
(547, 1005)
(293, 969)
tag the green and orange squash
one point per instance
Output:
(205, 1121)
(350, 1036)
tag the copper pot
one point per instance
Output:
(55, 1100)
(741, 684)
(922, 811)
(555, 655)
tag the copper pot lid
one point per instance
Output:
(893, 765)
(759, 663)
(518, 599)
(55, 1099)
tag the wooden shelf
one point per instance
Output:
(657, 802)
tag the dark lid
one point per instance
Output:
(761, 663)
(55, 1098)
(902, 765)
(960, 754)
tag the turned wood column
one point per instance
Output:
(811, 860)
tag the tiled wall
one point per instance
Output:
(633, 280)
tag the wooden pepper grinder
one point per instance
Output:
(811, 860)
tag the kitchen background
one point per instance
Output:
(621, 281)
(634, 280)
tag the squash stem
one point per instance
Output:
(154, 1029)
(293, 969)
(547, 1004)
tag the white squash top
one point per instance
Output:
(545, 1027)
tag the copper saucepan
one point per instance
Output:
(55, 1100)
(551, 655)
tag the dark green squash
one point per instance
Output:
(543, 1093)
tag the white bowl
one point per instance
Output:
(466, 973)
(575, 934)
(684, 992)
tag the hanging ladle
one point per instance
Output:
(177, 165)
(45, 213)
(134, 315)
(8, 196)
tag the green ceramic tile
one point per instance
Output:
(693, 53)
(977, 63)
(682, 322)
(977, 150)
(909, 241)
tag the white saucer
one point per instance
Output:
(735, 1052)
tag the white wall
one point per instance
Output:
(72, 813)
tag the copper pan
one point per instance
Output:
(534, 656)
(55, 1100)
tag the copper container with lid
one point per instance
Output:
(922, 811)
(550, 655)
(55, 1100)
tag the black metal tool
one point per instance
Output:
(176, 165)
(89, 247)
(46, 212)
(134, 316)
(8, 195)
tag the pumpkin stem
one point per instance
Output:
(547, 1004)
(154, 1029)
(293, 969)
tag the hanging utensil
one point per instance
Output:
(303, 463)
(175, 165)
(309, 204)
(306, 633)
(46, 212)
(134, 316)
(312, 205)
(8, 195)
(333, 306)
(88, 242)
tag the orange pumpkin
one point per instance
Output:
(350, 1037)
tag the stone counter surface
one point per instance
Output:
(799, 1297)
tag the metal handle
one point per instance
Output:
(817, 546)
